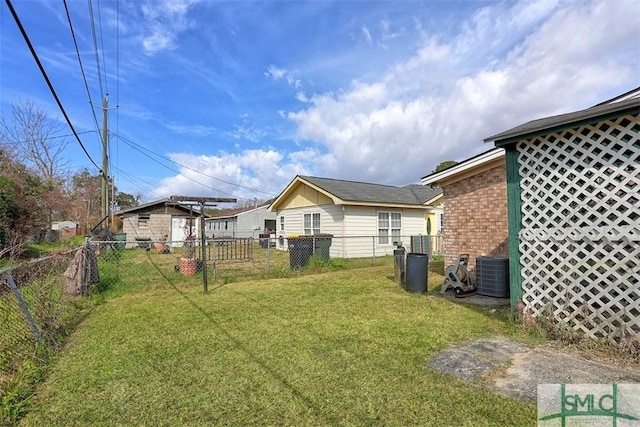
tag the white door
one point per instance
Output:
(179, 231)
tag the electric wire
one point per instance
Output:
(132, 145)
(84, 77)
(46, 78)
(104, 62)
(95, 47)
(145, 150)
(59, 136)
(104, 69)
(117, 78)
(136, 181)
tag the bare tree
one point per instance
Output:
(33, 139)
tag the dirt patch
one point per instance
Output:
(515, 370)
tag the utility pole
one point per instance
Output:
(105, 160)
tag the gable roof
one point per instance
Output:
(471, 166)
(344, 192)
(162, 203)
(627, 103)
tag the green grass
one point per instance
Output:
(35, 250)
(345, 347)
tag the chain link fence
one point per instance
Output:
(226, 260)
(39, 300)
(33, 316)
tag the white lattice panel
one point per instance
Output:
(580, 237)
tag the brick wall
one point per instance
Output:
(475, 216)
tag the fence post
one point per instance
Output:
(268, 254)
(373, 247)
(85, 277)
(23, 307)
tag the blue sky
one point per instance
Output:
(235, 98)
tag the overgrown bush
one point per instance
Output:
(622, 344)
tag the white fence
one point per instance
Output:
(580, 238)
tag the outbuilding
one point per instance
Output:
(573, 193)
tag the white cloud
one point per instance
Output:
(249, 133)
(366, 34)
(386, 34)
(512, 62)
(192, 130)
(277, 73)
(246, 175)
(163, 21)
(506, 67)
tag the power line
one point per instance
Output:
(136, 181)
(141, 149)
(84, 77)
(58, 136)
(104, 63)
(44, 74)
(95, 47)
(117, 76)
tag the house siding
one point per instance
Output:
(355, 236)
(303, 196)
(361, 222)
(159, 226)
(475, 215)
(243, 225)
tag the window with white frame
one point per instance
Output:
(389, 227)
(312, 223)
(282, 223)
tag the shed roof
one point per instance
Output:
(627, 103)
(344, 192)
(186, 208)
(232, 213)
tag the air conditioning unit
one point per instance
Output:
(492, 276)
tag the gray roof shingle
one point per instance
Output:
(550, 124)
(353, 191)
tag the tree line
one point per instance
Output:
(37, 186)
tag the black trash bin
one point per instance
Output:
(416, 277)
(300, 250)
(399, 265)
(322, 247)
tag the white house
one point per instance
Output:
(241, 223)
(361, 216)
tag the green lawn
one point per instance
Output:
(347, 347)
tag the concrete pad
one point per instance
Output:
(475, 358)
(475, 299)
(544, 366)
(515, 370)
